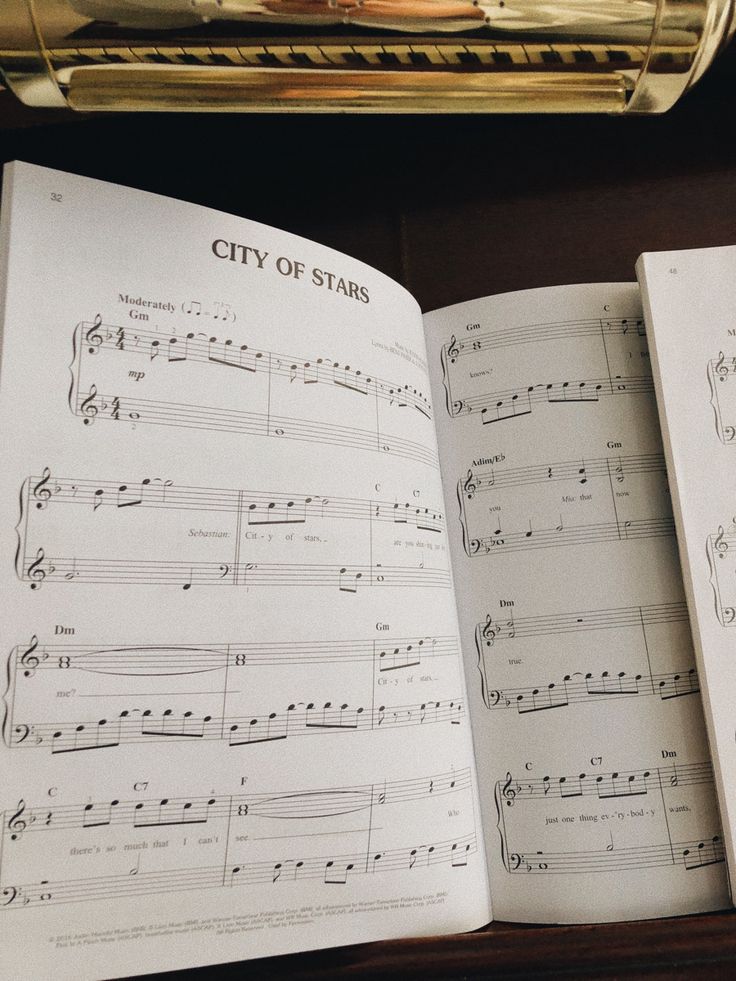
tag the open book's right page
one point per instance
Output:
(690, 306)
(595, 780)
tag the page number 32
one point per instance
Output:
(55, 196)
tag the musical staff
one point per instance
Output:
(120, 364)
(542, 626)
(298, 719)
(610, 810)
(512, 403)
(199, 348)
(331, 869)
(622, 499)
(254, 528)
(253, 507)
(40, 568)
(181, 811)
(696, 854)
(634, 783)
(387, 654)
(559, 535)
(587, 345)
(535, 333)
(720, 373)
(224, 841)
(594, 687)
(616, 468)
(632, 636)
(223, 692)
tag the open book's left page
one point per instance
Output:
(235, 716)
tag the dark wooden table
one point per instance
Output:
(454, 208)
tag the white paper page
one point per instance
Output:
(594, 772)
(689, 306)
(235, 712)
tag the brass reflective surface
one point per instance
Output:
(360, 55)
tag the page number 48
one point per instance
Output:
(55, 196)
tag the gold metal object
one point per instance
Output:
(616, 56)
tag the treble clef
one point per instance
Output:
(17, 823)
(720, 544)
(453, 350)
(720, 369)
(29, 660)
(509, 790)
(35, 571)
(488, 633)
(41, 492)
(470, 486)
(93, 337)
(88, 408)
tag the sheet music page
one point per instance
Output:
(595, 778)
(689, 304)
(235, 719)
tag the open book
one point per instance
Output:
(325, 621)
